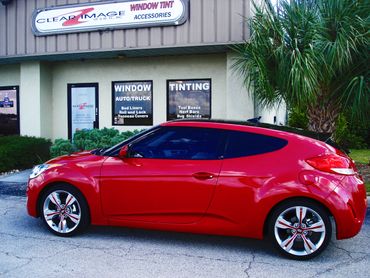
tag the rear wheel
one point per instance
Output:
(64, 210)
(300, 229)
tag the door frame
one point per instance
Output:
(69, 103)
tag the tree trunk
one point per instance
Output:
(322, 118)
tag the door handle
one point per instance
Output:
(203, 176)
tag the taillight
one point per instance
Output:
(333, 163)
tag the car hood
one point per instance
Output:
(71, 158)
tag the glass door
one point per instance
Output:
(9, 110)
(83, 107)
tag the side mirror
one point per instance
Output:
(123, 153)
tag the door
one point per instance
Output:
(9, 110)
(169, 177)
(83, 107)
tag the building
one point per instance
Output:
(69, 65)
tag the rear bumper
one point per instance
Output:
(350, 204)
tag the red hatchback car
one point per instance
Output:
(207, 177)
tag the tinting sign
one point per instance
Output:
(188, 99)
(132, 103)
(9, 107)
(109, 15)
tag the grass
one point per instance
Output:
(360, 156)
(367, 184)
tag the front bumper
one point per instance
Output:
(32, 195)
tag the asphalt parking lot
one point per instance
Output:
(27, 249)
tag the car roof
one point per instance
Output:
(226, 123)
(265, 128)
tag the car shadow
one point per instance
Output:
(180, 239)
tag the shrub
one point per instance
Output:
(90, 139)
(61, 147)
(350, 134)
(22, 152)
(345, 137)
(298, 118)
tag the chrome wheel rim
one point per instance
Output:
(300, 231)
(62, 212)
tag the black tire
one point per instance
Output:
(56, 205)
(300, 238)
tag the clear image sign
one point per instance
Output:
(132, 103)
(107, 15)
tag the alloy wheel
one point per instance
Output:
(62, 211)
(300, 231)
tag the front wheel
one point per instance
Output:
(300, 229)
(64, 210)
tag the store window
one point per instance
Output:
(189, 99)
(132, 103)
(9, 110)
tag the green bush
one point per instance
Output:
(297, 118)
(22, 152)
(61, 147)
(89, 140)
(346, 137)
(350, 134)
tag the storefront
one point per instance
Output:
(69, 65)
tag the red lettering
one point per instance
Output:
(167, 4)
(144, 6)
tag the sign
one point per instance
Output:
(132, 103)
(9, 118)
(83, 108)
(109, 15)
(188, 99)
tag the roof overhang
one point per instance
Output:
(147, 52)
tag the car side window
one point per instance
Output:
(241, 144)
(180, 143)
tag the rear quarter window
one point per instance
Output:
(241, 144)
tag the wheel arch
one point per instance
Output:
(56, 183)
(298, 198)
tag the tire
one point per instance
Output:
(64, 210)
(300, 229)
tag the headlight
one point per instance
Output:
(39, 169)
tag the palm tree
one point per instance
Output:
(312, 54)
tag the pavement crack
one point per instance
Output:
(349, 253)
(249, 267)
(339, 265)
(28, 261)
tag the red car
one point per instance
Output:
(207, 177)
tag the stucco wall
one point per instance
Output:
(9, 75)
(158, 69)
(43, 88)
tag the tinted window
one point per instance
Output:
(244, 144)
(180, 143)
